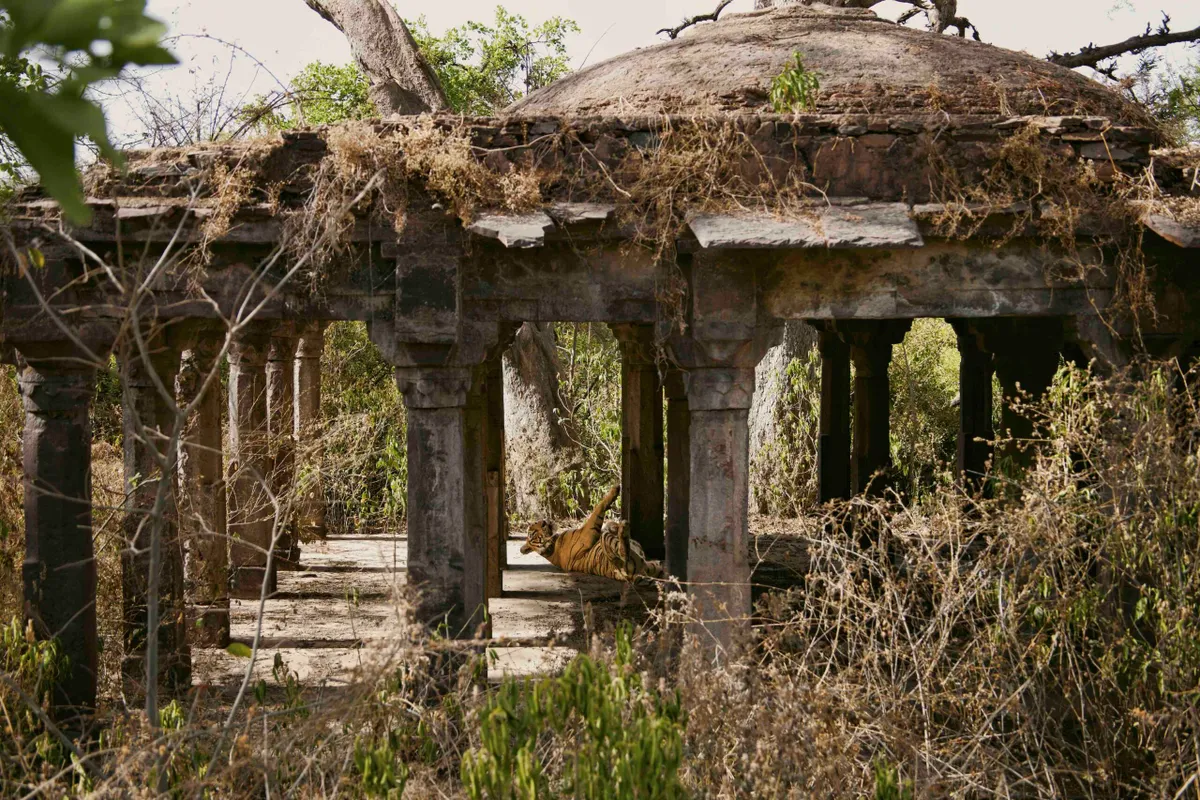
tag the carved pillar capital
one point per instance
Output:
(720, 389)
(54, 391)
(637, 343)
(283, 342)
(434, 387)
(311, 340)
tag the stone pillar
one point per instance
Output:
(494, 466)
(679, 471)
(641, 439)
(309, 349)
(281, 430)
(871, 349)
(718, 514)
(833, 448)
(447, 516)
(975, 432)
(60, 568)
(152, 560)
(1026, 356)
(202, 502)
(251, 514)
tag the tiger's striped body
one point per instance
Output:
(595, 548)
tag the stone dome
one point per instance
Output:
(867, 65)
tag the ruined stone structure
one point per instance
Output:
(864, 255)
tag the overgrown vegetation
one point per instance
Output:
(796, 89)
(1043, 647)
(43, 113)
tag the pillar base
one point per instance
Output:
(208, 626)
(246, 583)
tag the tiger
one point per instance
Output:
(594, 548)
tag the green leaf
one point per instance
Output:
(35, 129)
(239, 650)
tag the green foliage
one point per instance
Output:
(924, 381)
(796, 88)
(106, 404)
(888, 784)
(1181, 105)
(617, 738)
(363, 465)
(322, 94)
(785, 468)
(379, 767)
(484, 68)
(30, 667)
(590, 383)
(85, 42)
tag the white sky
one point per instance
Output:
(285, 34)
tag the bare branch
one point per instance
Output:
(713, 16)
(1092, 55)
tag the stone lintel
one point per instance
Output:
(1177, 233)
(873, 226)
(514, 231)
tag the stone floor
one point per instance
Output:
(331, 617)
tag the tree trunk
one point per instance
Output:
(767, 415)
(542, 442)
(401, 81)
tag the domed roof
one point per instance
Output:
(866, 65)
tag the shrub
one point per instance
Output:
(363, 465)
(611, 737)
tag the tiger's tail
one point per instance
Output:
(605, 503)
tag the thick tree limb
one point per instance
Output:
(690, 21)
(401, 81)
(1092, 55)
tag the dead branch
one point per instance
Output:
(690, 21)
(1092, 55)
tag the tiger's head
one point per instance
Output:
(540, 539)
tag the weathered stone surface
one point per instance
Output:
(867, 65)
(867, 226)
(251, 513)
(1173, 231)
(203, 501)
(152, 559)
(641, 439)
(518, 232)
(60, 568)
(575, 213)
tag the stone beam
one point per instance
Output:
(866, 226)
(942, 279)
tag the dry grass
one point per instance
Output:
(1039, 647)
